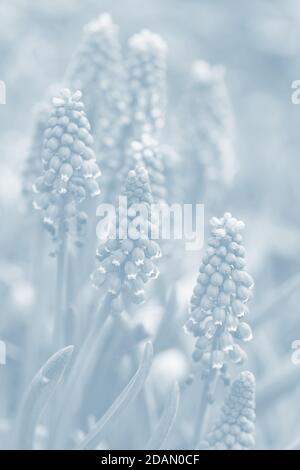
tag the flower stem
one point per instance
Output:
(80, 373)
(38, 395)
(209, 387)
(34, 335)
(60, 297)
(202, 414)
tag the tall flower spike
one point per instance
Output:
(126, 265)
(146, 65)
(33, 165)
(70, 169)
(209, 132)
(218, 304)
(235, 428)
(146, 152)
(97, 69)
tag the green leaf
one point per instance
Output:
(166, 422)
(39, 392)
(126, 397)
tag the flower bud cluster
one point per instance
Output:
(208, 129)
(70, 171)
(234, 430)
(146, 152)
(146, 66)
(127, 264)
(220, 297)
(97, 69)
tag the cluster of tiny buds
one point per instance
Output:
(203, 72)
(113, 114)
(126, 265)
(98, 70)
(91, 62)
(146, 73)
(70, 171)
(137, 186)
(210, 137)
(147, 42)
(103, 23)
(219, 299)
(234, 430)
(209, 80)
(102, 50)
(146, 152)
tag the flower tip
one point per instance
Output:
(203, 72)
(65, 93)
(247, 377)
(77, 95)
(102, 24)
(146, 40)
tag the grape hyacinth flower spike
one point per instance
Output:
(219, 301)
(97, 69)
(218, 308)
(146, 152)
(127, 264)
(69, 176)
(209, 133)
(234, 429)
(70, 171)
(146, 69)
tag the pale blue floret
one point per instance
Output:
(235, 428)
(146, 69)
(126, 265)
(70, 172)
(147, 152)
(220, 297)
(97, 70)
(208, 139)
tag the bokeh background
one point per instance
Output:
(258, 43)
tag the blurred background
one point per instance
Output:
(258, 43)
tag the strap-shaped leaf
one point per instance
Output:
(38, 395)
(166, 422)
(126, 397)
(294, 446)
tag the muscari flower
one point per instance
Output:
(70, 171)
(234, 430)
(127, 264)
(209, 131)
(146, 152)
(97, 70)
(146, 68)
(219, 301)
